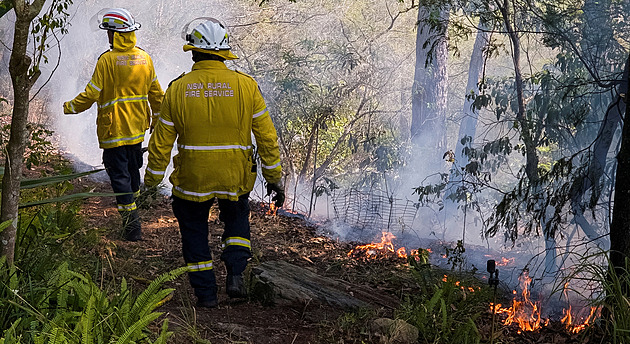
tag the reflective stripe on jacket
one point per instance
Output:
(212, 112)
(123, 85)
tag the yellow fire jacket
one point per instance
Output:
(212, 112)
(123, 85)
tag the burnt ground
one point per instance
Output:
(381, 283)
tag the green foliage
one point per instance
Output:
(329, 99)
(5, 7)
(38, 148)
(611, 297)
(62, 306)
(446, 309)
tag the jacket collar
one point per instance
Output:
(209, 64)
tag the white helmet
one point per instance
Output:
(209, 35)
(118, 19)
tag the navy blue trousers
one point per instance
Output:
(193, 226)
(123, 165)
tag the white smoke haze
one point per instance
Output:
(258, 34)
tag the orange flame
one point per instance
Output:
(459, 284)
(506, 261)
(568, 319)
(526, 313)
(383, 248)
(272, 209)
(523, 312)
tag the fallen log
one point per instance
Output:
(282, 283)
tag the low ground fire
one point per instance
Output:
(526, 312)
(383, 249)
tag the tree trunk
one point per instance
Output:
(429, 92)
(22, 82)
(527, 135)
(598, 42)
(468, 124)
(620, 226)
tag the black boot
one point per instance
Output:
(132, 229)
(207, 303)
(235, 286)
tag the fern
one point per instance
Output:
(63, 277)
(145, 302)
(87, 321)
(123, 302)
(164, 333)
(10, 334)
(154, 301)
(57, 337)
(137, 327)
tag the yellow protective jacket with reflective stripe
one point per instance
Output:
(212, 112)
(123, 85)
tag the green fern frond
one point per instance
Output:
(136, 328)
(13, 278)
(153, 302)
(56, 322)
(122, 303)
(87, 322)
(144, 300)
(57, 337)
(167, 298)
(10, 333)
(62, 278)
(164, 333)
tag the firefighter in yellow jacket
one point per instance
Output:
(123, 85)
(212, 112)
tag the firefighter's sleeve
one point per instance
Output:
(266, 139)
(91, 93)
(160, 145)
(156, 96)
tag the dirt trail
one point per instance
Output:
(273, 238)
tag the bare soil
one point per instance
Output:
(274, 237)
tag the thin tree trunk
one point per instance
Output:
(22, 83)
(597, 43)
(468, 124)
(531, 164)
(429, 92)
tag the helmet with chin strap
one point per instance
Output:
(119, 20)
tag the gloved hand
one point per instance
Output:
(67, 109)
(279, 190)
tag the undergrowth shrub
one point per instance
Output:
(610, 294)
(63, 306)
(446, 308)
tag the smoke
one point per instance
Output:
(257, 33)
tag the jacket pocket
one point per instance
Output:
(103, 125)
(251, 174)
(175, 175)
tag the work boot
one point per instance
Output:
(207, 303)
(132, 229)
(235, 286)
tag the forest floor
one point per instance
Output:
(286, 238)
(290, 239)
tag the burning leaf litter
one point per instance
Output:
(526, 313)
(384, 248)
